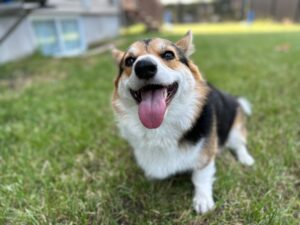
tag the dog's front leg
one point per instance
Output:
(203, 181)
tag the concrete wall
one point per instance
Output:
(20, 43)
(97, 28)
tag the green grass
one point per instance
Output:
(264, 26)
(231, 27)
(62, 161)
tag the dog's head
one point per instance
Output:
(153, 73)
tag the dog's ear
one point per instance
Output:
(117, 54)
(186, 44)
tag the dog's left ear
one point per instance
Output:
(117, 54)
(186, 44)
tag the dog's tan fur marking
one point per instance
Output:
(203, 91)
(115, 98)
(195, 71)
(240, 122)
(210, 148)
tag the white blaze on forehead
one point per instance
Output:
(132, 50)
(162, 45)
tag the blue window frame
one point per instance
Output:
(47, 37)
(70, 35)
(59, 36)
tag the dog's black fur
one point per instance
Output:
(219, 104)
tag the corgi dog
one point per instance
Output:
(173, 118)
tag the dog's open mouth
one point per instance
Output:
(153, 100)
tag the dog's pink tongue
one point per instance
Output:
(152, 108)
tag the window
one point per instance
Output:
(70, 35)
(47, 36)
(59, 36)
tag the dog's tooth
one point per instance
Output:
(165, 93)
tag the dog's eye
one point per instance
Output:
(168, 55)
(129, 61)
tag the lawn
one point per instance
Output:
(263, 26)
(62, 161)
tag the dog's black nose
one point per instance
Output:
(145, 69)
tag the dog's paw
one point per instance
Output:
(246, 159)
(203, 203)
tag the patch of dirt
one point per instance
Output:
(19, 82)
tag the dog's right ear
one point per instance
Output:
(186, 44)
(117, 54)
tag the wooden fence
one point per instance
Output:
(277, 9)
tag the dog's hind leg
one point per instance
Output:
(237, 139)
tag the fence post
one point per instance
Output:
(297, 15)
(273, 9)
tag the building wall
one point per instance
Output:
(82, 6)
(20, 43)
(97, 28)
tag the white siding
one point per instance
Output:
(97, 28)
(20, 43)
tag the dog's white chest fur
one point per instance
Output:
(157, 151)
(161, 161)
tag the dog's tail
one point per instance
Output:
(245, 105)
